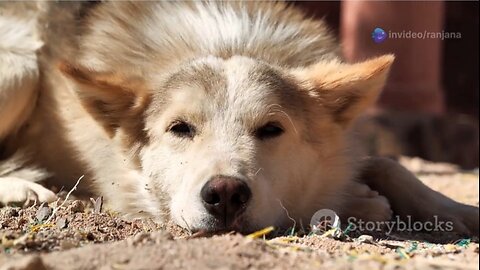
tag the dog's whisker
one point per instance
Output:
(186, 225)
(288, 117)
(286, 212)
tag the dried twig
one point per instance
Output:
(66, 198)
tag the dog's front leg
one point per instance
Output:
(19, 183)
(409, 197)
(18, 190)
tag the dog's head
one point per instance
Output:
(236, 143)
(223, 140)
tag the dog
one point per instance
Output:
(214, 115)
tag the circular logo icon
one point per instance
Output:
(379, 35)
(324, 220)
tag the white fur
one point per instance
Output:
(18, 71)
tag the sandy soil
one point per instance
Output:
(81, 235)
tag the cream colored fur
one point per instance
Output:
(18, 71)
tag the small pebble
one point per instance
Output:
(365, 238)
(61, 223)
(43, 213)
(90, 236)
(97, 206)
(76, 207)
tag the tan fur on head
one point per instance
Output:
(112, 98)
(346, 90)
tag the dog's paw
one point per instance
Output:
(363, 203)
(15, 190)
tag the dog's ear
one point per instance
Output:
(346, 90)
(111, 98)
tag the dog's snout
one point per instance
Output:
(224, 197)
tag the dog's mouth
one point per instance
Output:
(239, 224)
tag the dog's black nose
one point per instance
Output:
(224, 197)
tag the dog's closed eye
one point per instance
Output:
(269, 130)
(181, 129)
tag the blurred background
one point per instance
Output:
(429, 107)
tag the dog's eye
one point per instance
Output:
(182, 129)
(270, 130)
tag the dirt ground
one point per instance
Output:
(81, 235)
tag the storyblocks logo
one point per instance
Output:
(325, 219)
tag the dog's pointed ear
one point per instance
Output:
(346, 90)
(109, 97)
